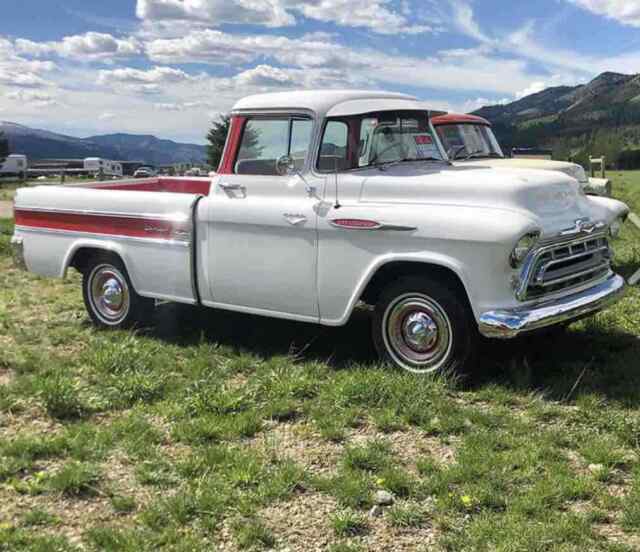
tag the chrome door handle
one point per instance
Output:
(231, 187)
(294, 220)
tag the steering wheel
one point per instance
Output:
(388, 148)
(454, 151)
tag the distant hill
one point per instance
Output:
(41, 144)
(601, 117)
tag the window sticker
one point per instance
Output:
(425, 146)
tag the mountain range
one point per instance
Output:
(42, 144)
(601, 117)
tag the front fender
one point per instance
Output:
(424, 258)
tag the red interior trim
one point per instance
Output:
(162, 184)
(100, 224)
(233, 145)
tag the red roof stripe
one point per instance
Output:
(457, 119)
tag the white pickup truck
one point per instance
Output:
(469, 141)
(323, 200)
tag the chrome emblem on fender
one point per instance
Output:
(583, 226)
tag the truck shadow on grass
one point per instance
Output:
(602, 360)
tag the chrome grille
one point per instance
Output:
(562, 266)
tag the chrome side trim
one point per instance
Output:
(132, 239)
(17, 252)
(397, 228)
(509, 323)
(379, 227)
(169, 217)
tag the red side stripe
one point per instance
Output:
(100, 224)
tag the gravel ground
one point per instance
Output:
(6, 209)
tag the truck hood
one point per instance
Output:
(570, 169)
(551, 200)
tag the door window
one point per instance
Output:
(264, 141)
(333, 151)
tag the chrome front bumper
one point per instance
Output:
(17, 251)
(509, 323)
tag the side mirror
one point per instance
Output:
(286, 166)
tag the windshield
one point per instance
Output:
(377, 139)
(468, 140)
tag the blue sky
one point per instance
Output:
(167, 67)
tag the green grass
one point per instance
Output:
(348, 524)
(209, 429)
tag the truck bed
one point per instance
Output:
(150, 223)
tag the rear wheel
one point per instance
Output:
(109, 296)
(422, 325)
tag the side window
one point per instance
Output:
(264, 141)
(334, 147)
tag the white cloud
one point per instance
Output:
(626, 12)
(465, 22)
(262, 12)
(533, 88)
(376, 15)
(472, 105)
(181, 106)
(90, 46)
(372, 14)
(128, 75)
(22, 80)
(107, 116)
(475, 71)
(34, 98)
(265, 75)
(19, 72)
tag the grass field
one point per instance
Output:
(217, 431)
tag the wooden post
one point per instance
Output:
(635, 220)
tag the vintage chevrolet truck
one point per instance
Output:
(329, 199)
(470, 140)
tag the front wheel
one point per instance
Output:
(422, 325)
(109, 296)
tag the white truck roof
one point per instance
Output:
(320, 102)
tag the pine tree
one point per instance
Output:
(217, 137)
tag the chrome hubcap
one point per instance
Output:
(112, 295)
(417, 333)
(109, 294)
(420, 331)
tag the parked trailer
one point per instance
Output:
(106, 167)
(14, 165)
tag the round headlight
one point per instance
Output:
(524, 246)
(615, 228)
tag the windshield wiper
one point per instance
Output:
(478, 154)
(388, 164)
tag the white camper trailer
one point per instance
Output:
(14, 165)
(97, 166)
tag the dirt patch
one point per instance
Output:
(303, 524)
(409, 445)
(6, 209)
(302, 444)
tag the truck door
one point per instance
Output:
(262, 235)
